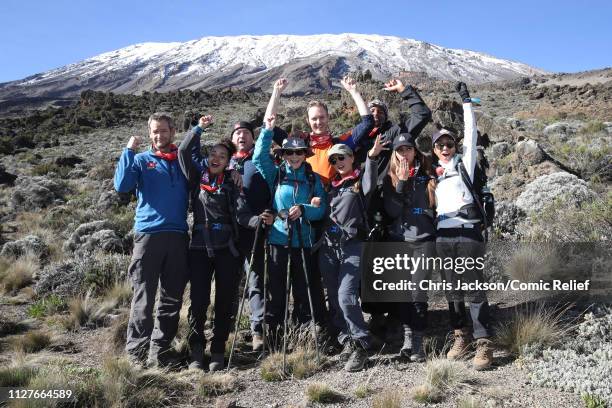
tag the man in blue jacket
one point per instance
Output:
(160, 240)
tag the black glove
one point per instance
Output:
(462, 90)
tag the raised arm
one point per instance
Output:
(366, 124)
(189, 167)
(261, 156)
(420, 114)
(196, 154)
(279, 85)
(470, 137)
(127, 172)
(351, 87)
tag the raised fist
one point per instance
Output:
(462, 90)
(205, 121)
(394, 85)
(349, 83)
(134, 142)
(281, 84)
(269, 122)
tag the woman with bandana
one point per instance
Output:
(345, 230)
(213, 250)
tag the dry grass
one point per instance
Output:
(533, 325)
(19, 274)
(215, 384)
(16, 375)
(321, 393)
(86, 311)
(529, 265)
(389, 398)
(31, 342)
(125, 386)
(301, 363)
(469, 402)
(118, 332)
(363, 391)
(120, 294)
(441, 376)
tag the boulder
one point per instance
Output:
(545, 189)
(68, 161)
(528, 152)
(561, 131)
(6, 177)
(37, 192)
(30, 244)
(499, 150)
(94, 235)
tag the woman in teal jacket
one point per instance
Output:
(294, 185)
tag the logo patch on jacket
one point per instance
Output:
(151, 165)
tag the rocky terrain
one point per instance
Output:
(66, 238)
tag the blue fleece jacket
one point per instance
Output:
(286, 195)
(161, 189)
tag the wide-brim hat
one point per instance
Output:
(294, 143)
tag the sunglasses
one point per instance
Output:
(336, 158)
(294, 152)
(450, 145)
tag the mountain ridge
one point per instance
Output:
(314, 63)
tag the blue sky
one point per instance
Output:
(560, 36)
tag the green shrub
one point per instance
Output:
(593, 401)
(47, 306)
(16, 375)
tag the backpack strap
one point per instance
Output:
(466, 180)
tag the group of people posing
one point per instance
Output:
(303, 204)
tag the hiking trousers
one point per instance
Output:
(342, 278)
(275, 313)
(158, 259)
(456, 245)
(225, 268)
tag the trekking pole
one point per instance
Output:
(264, 325)
(244, 292)
(312, 316)
(288, 289)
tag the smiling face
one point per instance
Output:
(318, 119)
(379, 115)
(343, 163)
(443, 152)
(295, 158)
(218, 159)
(406, 153)
(243, 140)
(161, 134)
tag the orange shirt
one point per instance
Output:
(320, 164)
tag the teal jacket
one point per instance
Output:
(286, 196)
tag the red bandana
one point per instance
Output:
(211, 187)
(242, 155)
(320, 141)
(374, 132)
(337, 182)
(172, 155)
